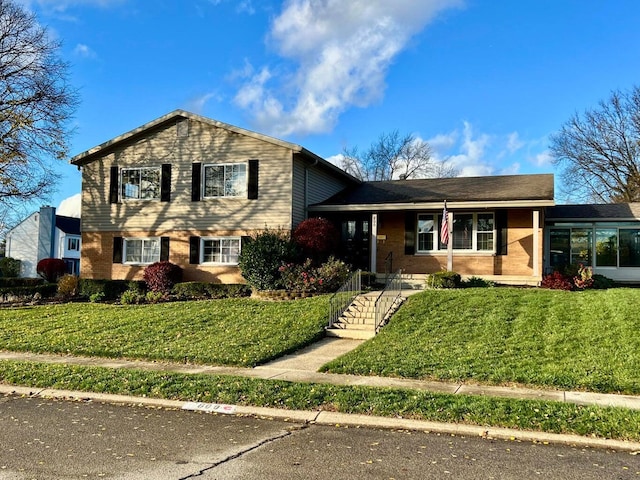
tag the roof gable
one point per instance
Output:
(92, 154)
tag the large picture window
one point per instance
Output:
(228, 180)
(629, 247)
(222, 250)
(141, 250)
(471, 231)
(140, 183)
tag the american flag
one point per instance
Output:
(444, 228)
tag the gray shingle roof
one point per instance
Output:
(69, 225)
(457, 189)
(594, 212)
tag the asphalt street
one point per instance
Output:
(46, 439)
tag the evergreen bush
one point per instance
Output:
(262, 256)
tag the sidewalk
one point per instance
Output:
(303, 366)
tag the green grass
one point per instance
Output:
(474, 410)
(241, 332)
(571, 340)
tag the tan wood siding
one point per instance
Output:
(321, 185)
(206, 144)
(298, 197)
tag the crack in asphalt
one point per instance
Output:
(244, 451)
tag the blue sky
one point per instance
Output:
(485, 82)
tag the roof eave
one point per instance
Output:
(433, 205)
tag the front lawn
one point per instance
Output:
(571, 340)
(241, 332)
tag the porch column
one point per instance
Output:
(374, 242)
(450, 243)
(536, 243)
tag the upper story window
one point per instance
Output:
(73, 244)
(140, 183)
(141, 250)
(225, 180)
(471, 232)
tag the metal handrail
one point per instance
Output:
(388, 266)
(345, 295)
(388, 299)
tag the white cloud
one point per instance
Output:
(543, 159)
(341, 52)
(84, 51)
(196, 105)
(70, 207)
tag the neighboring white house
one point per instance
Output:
(44, 234)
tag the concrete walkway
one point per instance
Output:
(302, 366)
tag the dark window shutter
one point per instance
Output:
(113, 186)
(164, 249)
(117, 249)
(165, 183)
(194, 250)
(409, 233)
(252, 188)
(196, 184)
(501, 232)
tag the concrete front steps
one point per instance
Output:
(358, 320)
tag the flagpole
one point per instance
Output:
(450, 244)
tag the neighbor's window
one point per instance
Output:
(73, 244)
(140, 183)
(223, 250)
(228, 180)
(141, 250)
(471, 231)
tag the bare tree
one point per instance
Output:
(36, 103)
(599, 151)
(395, 156)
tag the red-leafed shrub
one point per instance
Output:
(162, 276)
(51, 269)
(317, 237)
(557, 281)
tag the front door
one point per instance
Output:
(355, 242)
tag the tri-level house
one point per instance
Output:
(188, 189)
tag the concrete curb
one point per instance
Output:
(344, 419)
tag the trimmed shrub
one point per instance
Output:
(47, 290)
(51, 269)
(162, 276)
(262, 256)
(317, 238)
(477, 282)
(443, 279)
(9, 267)
(109, 289)
(68, 286)
(557, 281)
(207, 290)
(20, 282)
(601, 282)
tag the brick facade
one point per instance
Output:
(518, 261)
(97, 257)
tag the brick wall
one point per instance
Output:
(518, 261)
(97, 257)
